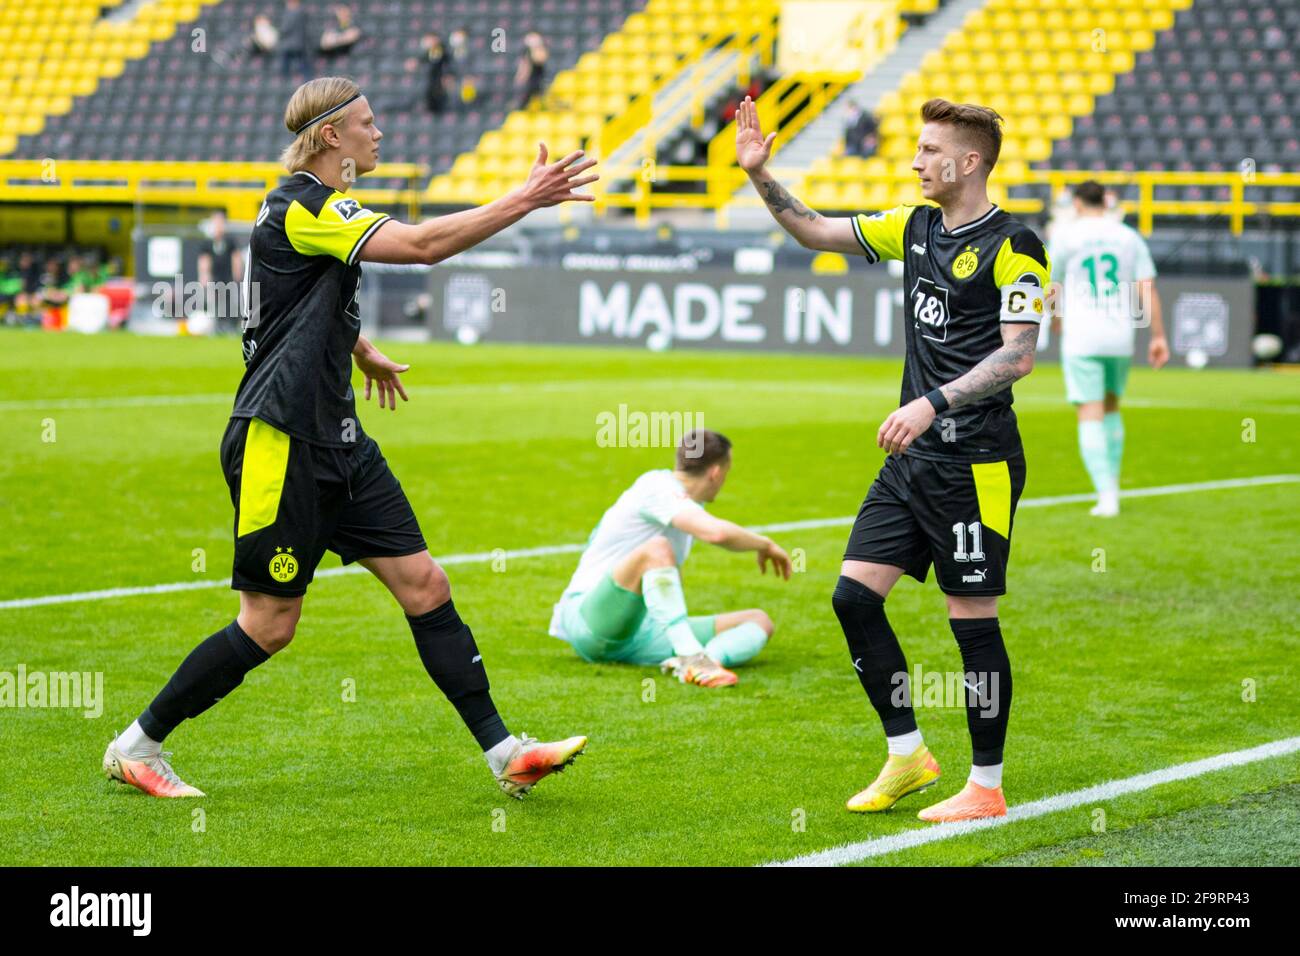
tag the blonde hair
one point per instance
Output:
(308, 101)
(982, 124)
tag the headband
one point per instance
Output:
(333, 109)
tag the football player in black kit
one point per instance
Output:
(975, 281)
(303, 477)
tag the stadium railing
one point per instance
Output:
(236, 187)
(240, 187)
(725, 180)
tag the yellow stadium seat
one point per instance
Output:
(1100, 84)
(1057, 127)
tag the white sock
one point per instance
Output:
(665, 605)
(904, 745)
(134, 742)
(990, 776)
(499, 754)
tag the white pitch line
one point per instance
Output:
(115, 401)
(454, 388)
(1047, 502)
(856, 852)
(483, 557)
(856, 390)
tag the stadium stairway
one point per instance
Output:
(679, 102)
(606, 98)
(54, 52)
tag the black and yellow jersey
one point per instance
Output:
(302, 313)
(959, 287)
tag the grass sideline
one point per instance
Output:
(1117, 673)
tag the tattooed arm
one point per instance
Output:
(812, 230)
(1014, 360)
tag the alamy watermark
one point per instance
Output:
(82, 690)
(946, 689)
(657, 429)
(218, 300)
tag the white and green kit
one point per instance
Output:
(606, 622)
(1099, 263)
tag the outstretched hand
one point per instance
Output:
(752, 148)
(554, 183)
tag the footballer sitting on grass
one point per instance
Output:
(975, 280)
(303, 477)
(625, 601)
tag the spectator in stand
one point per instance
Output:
(457, 66)
(530, 76)
(437, 60)
(860, 132)
(293, 40)
(265, 36)
(341, 35)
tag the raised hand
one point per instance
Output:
(752, 149)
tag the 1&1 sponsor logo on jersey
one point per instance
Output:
(930, 309)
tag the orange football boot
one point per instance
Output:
(973, 803)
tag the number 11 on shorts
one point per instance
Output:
(976, 541)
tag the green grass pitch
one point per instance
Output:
(1117, 673)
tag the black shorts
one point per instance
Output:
(954, 515)
(294, 500)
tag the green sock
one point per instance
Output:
(1092, 446)
(1114, 425)
(665, 604)
(737, 645)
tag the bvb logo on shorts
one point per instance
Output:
(284, 566)
(966, 263)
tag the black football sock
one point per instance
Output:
(452, 659)
(875, 653)
(210, 672)
(988, 686)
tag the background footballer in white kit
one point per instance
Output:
(1107, 286)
